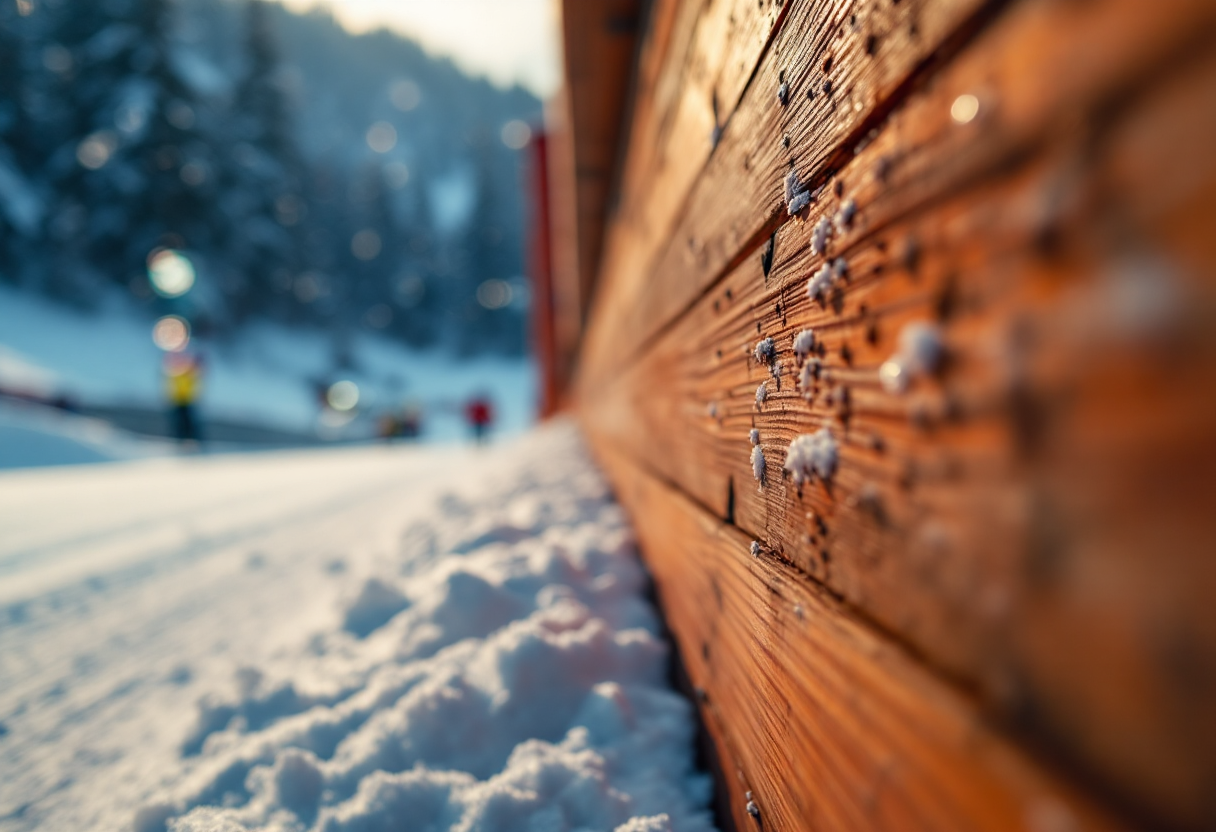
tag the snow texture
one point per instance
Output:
(806, 378)
(804, 342)
(754, 436)
(797, 196)
(761, 394)
(811, 455)
(520, 684)
(765, 351)
(845, 216)
(758, 464)
(820, 235)
(920, 353)
(820, 282)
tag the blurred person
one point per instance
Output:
(479, 413)
(411, 421)
(183, 384)
(388, 427)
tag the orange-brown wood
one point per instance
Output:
(826, 723)
(1025, 532)
(689, 84)
(1036, 519)
(1042, 68)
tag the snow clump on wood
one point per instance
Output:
(754, 436)
(806, 379)
(755, 548)
(765, 351)
(819, 236)
(761, 394)
(797, 196)
(920, 353)
(845, 216)
(758, 464)
(804, 342)
(811, 455)
(820, 282)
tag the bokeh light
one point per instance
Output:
(494, 294)
(365, 245)
(171, 334)
(96, 149)
(516, 134)
(343, 395)
(171, 273)
(965, 108)
(382, 137)
(405, 95)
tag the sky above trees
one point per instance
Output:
(508, 41)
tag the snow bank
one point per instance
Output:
(496, 668)
(266, 377)
(34, 436)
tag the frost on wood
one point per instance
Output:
(755, 548)
(845, 216)
(806, 378)
(819, 236)
(758, 464)
(820, 282)
(783, 93)
(804, 342)
(797, 196)
(754, 436)
(765, 351)
(920, 353)
(840, 268)
(761, 394)
(774, 370)
(811, 455)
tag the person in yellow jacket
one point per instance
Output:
(183, 383)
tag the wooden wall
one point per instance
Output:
(997, 610)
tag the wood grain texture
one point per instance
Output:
(824, 721)
(1035, 519)
(692, 70)
(739, 191)
(1040, 70)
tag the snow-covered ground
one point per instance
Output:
(33, 435)
(366, 639)
(266, 376)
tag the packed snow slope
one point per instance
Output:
(371, 639)
(266, 376)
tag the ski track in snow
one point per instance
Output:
(335, 640)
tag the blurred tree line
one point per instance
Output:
(312, 176)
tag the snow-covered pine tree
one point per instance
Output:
(262, 179)
(21, 204)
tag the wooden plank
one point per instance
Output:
(751, 157)
(1036, 519)
(692, 72)
(1038, 72)
(829, 725)
(599, 37)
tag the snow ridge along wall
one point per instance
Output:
(510, 676)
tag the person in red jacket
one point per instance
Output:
(479, 413)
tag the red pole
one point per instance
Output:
(543, 333)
